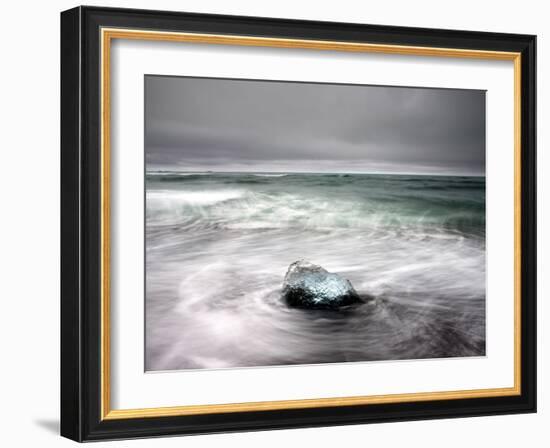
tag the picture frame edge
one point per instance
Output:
(80, 233)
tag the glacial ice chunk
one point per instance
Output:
(307, 285)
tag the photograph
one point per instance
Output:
(293, 221)
(298, 223)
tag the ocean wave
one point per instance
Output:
(200, 198)
(249, 210)
(270, 175)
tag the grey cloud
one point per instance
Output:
(202, 123)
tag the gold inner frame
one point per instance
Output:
(107, 35)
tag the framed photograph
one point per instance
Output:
(272, 223)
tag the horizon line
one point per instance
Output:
(407, 173)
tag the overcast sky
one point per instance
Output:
(200, 124)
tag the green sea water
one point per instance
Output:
(218, 246)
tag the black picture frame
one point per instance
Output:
(81, 381)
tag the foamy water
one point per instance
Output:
(218, 247)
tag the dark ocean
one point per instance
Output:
(218, 246)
